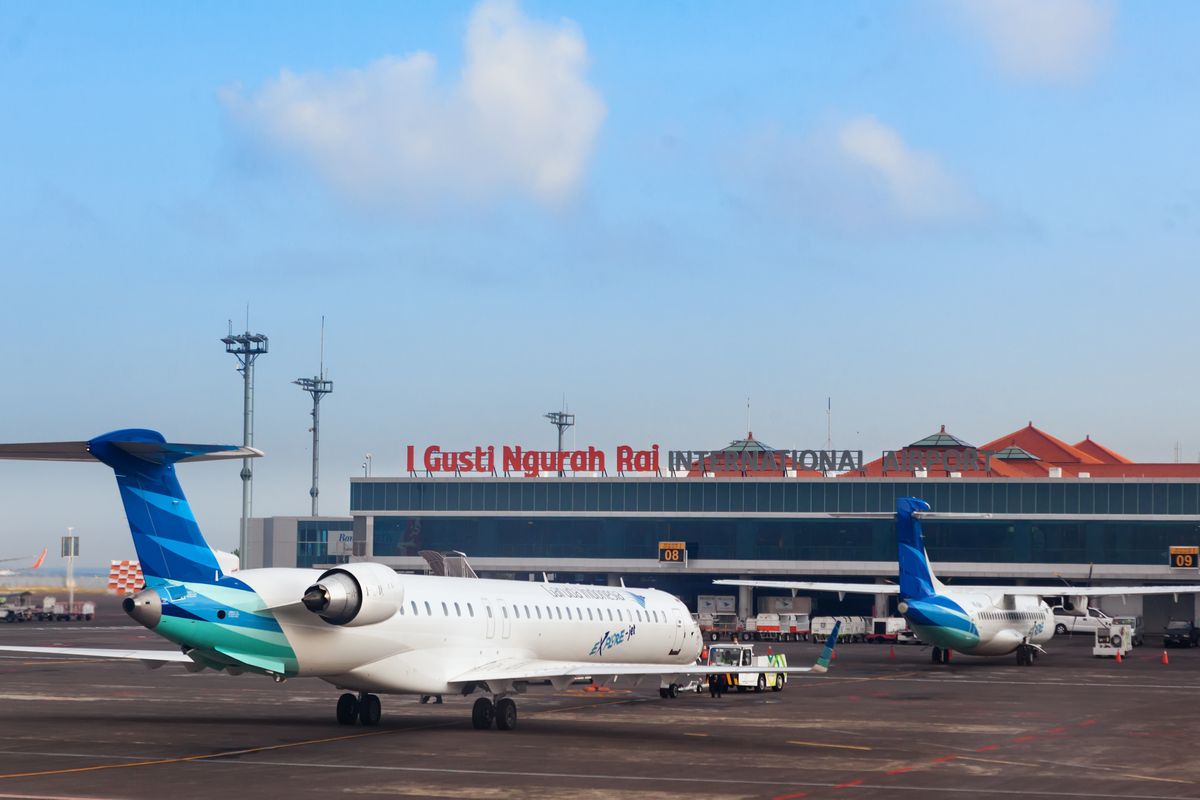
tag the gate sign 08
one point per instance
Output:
(672, 552)
(1184, 557)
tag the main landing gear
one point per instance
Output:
(940, 655)
(1026, 655)
(669, 692)
(503, 712)
(364, 708)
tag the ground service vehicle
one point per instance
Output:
(716, 626)
(742, 655)
(886, 629)
(1137, 630)
(1181, 633)
(1066, 622)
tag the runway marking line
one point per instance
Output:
(987, 747)
(826, 744)
(848, 784)
(695, 734)
(899, 770)
(224, 754)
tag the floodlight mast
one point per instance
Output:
(561, 420)
(246, 347)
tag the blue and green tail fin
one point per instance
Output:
(168, 541)
(826, 656)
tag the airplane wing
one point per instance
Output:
(1041, 591)
(148, 657)
(820, 586)
(561, 673)
(1091, 591)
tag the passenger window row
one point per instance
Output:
(551, 612)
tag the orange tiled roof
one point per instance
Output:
(1099, 451)
(1046, 447)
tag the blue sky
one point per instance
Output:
(934, 212)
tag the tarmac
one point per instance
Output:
(883, 723)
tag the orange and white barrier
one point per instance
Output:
(125, 577)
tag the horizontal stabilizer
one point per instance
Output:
(153, 452)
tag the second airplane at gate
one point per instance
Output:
(976, 620)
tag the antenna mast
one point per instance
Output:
(318, 387)
(828, 423)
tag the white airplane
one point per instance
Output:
(976, 620)
(364, 628)
(37, 562)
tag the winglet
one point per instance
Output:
(40, 559)
(822, 664)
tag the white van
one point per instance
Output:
(1065, 622)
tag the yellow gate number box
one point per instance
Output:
(1184, 557)
(672, 552)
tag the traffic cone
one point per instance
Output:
(1119, 657)
(1165, 660)
(892, 652)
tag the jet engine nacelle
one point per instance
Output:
(356, 594)
(1075, 605)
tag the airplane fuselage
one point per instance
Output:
(979, 623)
(415, 633)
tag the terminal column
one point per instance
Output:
(745, 599)
(881, 601)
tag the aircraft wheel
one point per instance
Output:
(673, 691)
(482, 714)
(762, 683)
(662, 692)
(347, 709)
(506, 714)
(936, 655)
(369, 710)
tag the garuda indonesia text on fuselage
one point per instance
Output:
(976, 620)
(361, 626)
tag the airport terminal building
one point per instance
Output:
(1033, 509)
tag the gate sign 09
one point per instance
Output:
(672, 552)
(1184, 557)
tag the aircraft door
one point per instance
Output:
(489, 614)
(677, 642)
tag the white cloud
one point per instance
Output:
(520, 116)
(856, 176)
(1056, 40)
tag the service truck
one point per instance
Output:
(735, 654)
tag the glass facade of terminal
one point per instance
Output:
(788, 496)
(734, 518)
(312, 541)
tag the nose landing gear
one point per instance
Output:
(1025, 655)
